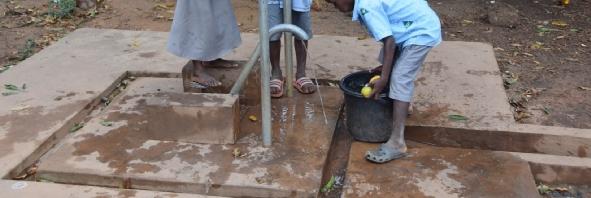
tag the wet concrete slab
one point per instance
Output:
(64, 81)
(119, 155)
(50, 190)
(439, 172)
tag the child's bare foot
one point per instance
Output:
(201, 77)
(221, 63)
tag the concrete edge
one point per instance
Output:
(552, 169)
(69, 190)
(120, 181)
(538, 139)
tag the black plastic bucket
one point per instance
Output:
(368, 120)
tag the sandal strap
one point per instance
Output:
(276, 83)
(303, 81)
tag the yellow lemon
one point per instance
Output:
(366, 91)
(376, 77)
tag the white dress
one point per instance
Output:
(203, 30)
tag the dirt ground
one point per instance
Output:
(543, 49)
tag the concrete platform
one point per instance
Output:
(466, 72)
(439, 172)
(160, 110)
(67, 79)
(121, 155)
(26, 189)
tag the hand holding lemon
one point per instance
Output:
(366, 90)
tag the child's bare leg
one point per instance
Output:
(400, 113)
(395, 148)
(301, 58)
(275, 55)
(200, 76)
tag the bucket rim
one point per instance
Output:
(350, 92)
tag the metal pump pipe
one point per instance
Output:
(265, 70)
(301, 34)
(288, 46)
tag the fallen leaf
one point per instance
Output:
(559, 23)
(135, 44)
(32, 170)
(252, 118)
(236, 152)
(10, 87)
(8, 93)
(20, 107)
(106, 123)
(329, 186)
(561, 189)
(546, 110)
(537, 45)
(457, 117)
(76, 127)
(585, 88)
(466, 22)
(543, 189)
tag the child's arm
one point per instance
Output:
(388, 60)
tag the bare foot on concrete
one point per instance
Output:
(203, 78)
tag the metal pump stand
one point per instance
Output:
(262, 49)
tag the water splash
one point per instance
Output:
(317, 86)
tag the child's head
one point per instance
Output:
(343, 5)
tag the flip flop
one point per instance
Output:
(278, 84)
(383, 154)
(299, 84)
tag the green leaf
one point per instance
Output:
(546, 110)
(543, 189)
(329, 186)
(76, 127)
(10, 87)
(106, 123)
(457, 117)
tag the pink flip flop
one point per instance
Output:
(299, 84)
(278, 84)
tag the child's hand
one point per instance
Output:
(378, 86)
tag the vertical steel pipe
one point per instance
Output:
(265, 71)
(287, 17)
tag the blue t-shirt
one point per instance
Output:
(410, 22)
(297, 5)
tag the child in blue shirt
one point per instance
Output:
(408, 29)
